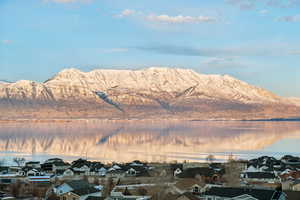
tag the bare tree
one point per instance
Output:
(231, 158)
(15, 189)
(19, 161)
(232, 174)
(108, 187)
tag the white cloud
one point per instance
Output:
(179, 19)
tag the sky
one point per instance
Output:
(256, 41)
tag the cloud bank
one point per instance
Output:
(218, 52)
(179, 19)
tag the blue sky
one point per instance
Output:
(253, 40)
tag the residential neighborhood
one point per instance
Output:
(263, 178)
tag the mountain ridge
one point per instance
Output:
(151, 92)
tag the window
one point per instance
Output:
(196, 189)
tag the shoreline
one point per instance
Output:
(70, 120)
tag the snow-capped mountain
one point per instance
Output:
(147, 93)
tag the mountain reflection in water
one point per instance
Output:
(146, 140)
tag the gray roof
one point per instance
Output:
(85, 191)
(78, 184)
(260, 194)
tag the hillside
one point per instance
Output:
(148, 93)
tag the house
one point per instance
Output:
(176, 169)
(115, 173)
(137, 163)
(124, 193)
(137, 171)
(68, 173)
(70, 186)
(188, 185)
(177, 172)
(289, 175)
(52, 160)
(34, 172)
(33, 164)
(81, 167)
(82, 194)
(206, 174)
(60, 166)
(251, 168)
(290, 160)
(97, 168)
(49, 165)
(268, 177)
(222, 193)
(102, 171)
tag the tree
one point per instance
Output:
(210, 158)
(232, 174)
(19, 161)
(231, 158)
(108, 187)
(15, 189)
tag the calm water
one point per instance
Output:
(147, 140)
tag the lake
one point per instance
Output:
(124, 141)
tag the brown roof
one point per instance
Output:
(187, 183)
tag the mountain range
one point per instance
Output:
(152, 93)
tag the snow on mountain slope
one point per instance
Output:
(156, 80)
(140, 93)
